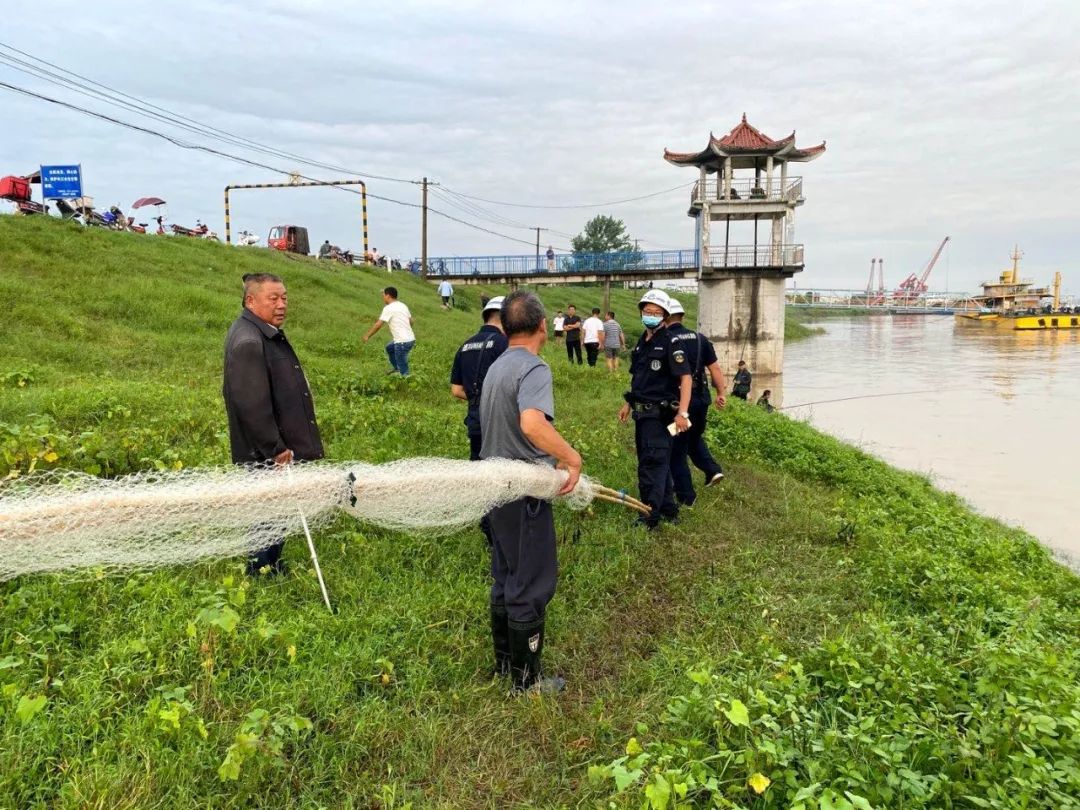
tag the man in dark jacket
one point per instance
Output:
(271, 415)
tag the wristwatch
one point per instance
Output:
(684, 414)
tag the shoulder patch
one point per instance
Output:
(679, 355)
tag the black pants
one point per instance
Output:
(571, 350)
(524, 568)
(591, 351)
(271, 555)
(653, 443)
(475, 441)
(691, 446)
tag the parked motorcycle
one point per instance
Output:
(247, 239)
(140, 228)
(200, 231)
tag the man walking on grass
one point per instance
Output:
(267, 399)
(517, 409)
(402, 339)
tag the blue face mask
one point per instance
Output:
(652, 321)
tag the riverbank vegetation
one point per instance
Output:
(821, 631)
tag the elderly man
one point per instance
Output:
(267, 399)
(517, 409)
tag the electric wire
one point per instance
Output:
(576, 205)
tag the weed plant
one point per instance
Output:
(821, 631)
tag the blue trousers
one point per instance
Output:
(691, 446)
(398, 354)
(524, 568)
(653, 443)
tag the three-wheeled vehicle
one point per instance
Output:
(289, 238)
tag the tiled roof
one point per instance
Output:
(744, 139)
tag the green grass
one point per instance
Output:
(820, 619)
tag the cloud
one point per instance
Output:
(941, 118)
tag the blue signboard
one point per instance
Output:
(61, 182)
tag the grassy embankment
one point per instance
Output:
(820, 620)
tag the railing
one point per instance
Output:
(942, 302)
(634, 261)
(749, 256)
(748, 190)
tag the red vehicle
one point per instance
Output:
(289, 238)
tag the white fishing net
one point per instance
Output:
(64, 520)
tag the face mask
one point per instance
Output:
(651, 321)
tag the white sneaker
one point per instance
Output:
(715, 479)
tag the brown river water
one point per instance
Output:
(995, 419)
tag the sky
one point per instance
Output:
(941, 118)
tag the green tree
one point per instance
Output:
(603, 234)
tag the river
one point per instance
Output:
(995, 420)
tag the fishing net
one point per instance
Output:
(59, 521)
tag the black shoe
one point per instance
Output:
(648, 523)
(715, 479)
(500, 638)
(276, 569)
(526, 649)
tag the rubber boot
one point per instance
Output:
(500, 637)
(526, 650)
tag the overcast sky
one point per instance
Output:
(941, 118)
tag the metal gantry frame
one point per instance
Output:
(297, 183)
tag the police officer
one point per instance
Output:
(471, 364)
(701, 356)
(659, 396)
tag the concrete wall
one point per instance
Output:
(743, 315)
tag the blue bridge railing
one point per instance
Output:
(629, 262)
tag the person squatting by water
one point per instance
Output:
(572, 327)
(517, 409)
(402, 338)
(741, 389)
(701, 357)
(765, 401)
(267, 398)
(471, 365)
(659, 396)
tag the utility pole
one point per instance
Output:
(423, 235)
(538, 229)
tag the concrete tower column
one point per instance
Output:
(768, 176)
(704, 223)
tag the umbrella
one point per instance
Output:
(139, 203)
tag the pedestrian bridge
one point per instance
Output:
(625, 266)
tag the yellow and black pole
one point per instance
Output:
(363, 201)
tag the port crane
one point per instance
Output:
(914, 286)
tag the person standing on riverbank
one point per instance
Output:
(557, 325)
(743, 379)
(572, 326)
(592, 329)
(267, 398)
(471, 365)
(614, 342)
(517, 409)
(690, 446)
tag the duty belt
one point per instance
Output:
(652, 407)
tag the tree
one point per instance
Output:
(603, 234)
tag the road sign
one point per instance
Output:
(61, 182)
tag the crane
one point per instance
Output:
(913, 286)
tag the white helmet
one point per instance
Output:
(675, 308)
(494, 303)
(658, 297)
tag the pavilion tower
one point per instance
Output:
(741, 286)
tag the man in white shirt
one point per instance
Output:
(402, 339)
(446, 291)
(591, 331)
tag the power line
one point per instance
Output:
(581, 205)
(146, 109)
(243, 160)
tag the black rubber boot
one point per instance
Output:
(500, 637)
(526, 649)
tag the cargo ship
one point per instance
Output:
(1011, 302)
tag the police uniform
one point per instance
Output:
(471, 364)
(700, 354)
(656, 368)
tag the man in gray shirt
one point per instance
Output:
(517, 409)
